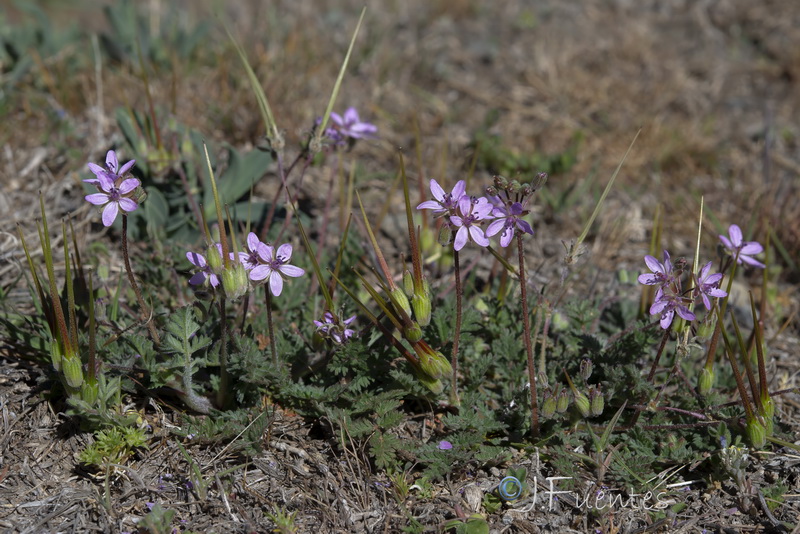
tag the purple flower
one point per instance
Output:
(250, 259)
(112, 169)
(349, 127)
(508, 219)
(331, 327)
(205, 273)
(742, 250)
(661, 274)
(707, 285)
(471, 211)
(445, 202)
(667, 306)
(445, 445)
(115, 191)
(274, 266)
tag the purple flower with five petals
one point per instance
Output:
(250, 259)
(707, 285)
(661, 274)
(508, 220)
(471, 211)
(205, 273)
(667, 305)
(112, 169)
(742, 250)
(445, 203)
(274, 266)
(349, 127)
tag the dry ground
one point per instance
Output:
(714, 86)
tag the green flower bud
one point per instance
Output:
(563, 401)
(400, 300)
(514, 187)
(89, 392)
(445, 235)
(56, 354)
(756, 433)
(705, 381)
(706, 328)
(421, 302)
(214, 258)
(408, 283)
(500, 182)
(432, 362)
(413, 332)
(548, 405)
(597, 401)
(491, 191)
(73, 373)
(235, 281)
(582, 403)
(434, 384)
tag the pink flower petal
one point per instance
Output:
(284, 252)
(125, 168)
(736, 235)
(98, 199)
(276, 284)
(110, 213)
(292, 270)
(129, 185)
(437, 191)
(111, 161)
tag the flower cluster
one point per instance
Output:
(465, 216)
(117, 190)
(261, 263)
(670, 298)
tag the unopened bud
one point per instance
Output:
(421, 302)
(586, 368)
(73, 373)
(491, 191)
(400, 300)
(235, 281)
(706, 381)
(432, 362)
(562, 404)
(408, 283)
(525, 190)
(89, 392)
(756, 433)
(539, 181)
(597, 401)
(434, 384)
(582, 403)
(514, 187)
(706, 328)
(445, 235)
(549, 405)
(214, 258)
(500, 182)
(412, 332)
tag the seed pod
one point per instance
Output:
(412, 332)
(548, 405)
(73, 372)
(235, 281)
(400, 300)
(582, 403)
(586, 368)
(597, 401)
(756, 433)
(421, 303)
(563, 401)
(214, 258)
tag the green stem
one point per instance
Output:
(143, 308)
(457, 334)
(526, 322)
(270, 331)
(224, 377)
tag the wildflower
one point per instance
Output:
(445, 445)
(508, 219)
(250, 258)
(445, 203)
(332, 327)
(742, 250)
(661, 274)
(115, 190)
(667, 305)
(349, 127)
(707, 285)
(471, 211)
(273, 266)
(112, 170)
(205, 273)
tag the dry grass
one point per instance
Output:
(715, 88)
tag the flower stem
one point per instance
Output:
(224, 377)
(457, 334)
(143, 309)
(659, 353)
(526, 323)
(270, 331)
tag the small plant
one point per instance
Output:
(284, 521)
(113, 446)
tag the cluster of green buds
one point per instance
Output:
(592, 403)
(554, 401)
